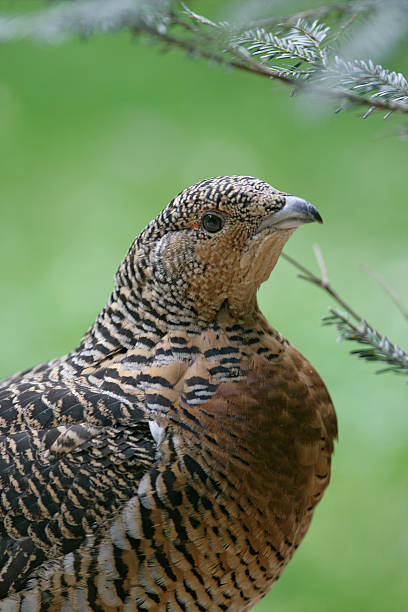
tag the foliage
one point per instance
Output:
(300, 50)
(380, 348)
(353, 327)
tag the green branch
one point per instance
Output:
(298, 51)
(352, 327)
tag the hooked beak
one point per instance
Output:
(295, 212)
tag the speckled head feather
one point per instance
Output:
(236, 195)
(201, 267)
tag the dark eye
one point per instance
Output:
(212, 223)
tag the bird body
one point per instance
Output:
(174, 459)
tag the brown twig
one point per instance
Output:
(52, 24)
(248, 66)
(246, 63)
(323, 282)
(380, 347)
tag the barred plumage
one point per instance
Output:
(174, 459)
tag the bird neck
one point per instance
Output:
(146, 304)
(133, 319)
(140, 312)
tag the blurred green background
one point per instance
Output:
(96, 136)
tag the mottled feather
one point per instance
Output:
(173, 460)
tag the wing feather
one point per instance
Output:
(69, 459)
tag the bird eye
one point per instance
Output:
(212, 223)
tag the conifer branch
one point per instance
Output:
(299, 50)
(323, 282)
(352, 327)
(381, 349)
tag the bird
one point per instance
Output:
(174, 459)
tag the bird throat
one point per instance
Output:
(146, 305)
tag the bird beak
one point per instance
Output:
(295, 212)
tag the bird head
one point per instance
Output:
(216, 242)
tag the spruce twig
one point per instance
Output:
(298, 51)
(381, 349)
(323, 282)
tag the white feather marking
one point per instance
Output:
(31, 602)
(10, 604)
(69, 565)
(157, 432)
(118, 536)
(131, 516)
(105, 560)
(144, 492)
(105, 579)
